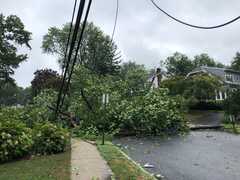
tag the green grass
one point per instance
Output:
(122, 167)
(229, 128)
(54, 167)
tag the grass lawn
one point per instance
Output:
(122, 167)
(229, 128)
(54, 167)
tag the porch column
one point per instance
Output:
(220, 94)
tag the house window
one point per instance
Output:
(237, 77)
(218, 95)
(229, 77)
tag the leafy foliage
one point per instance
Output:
(45, 79)
(15, 139)
(49, 138)
(202, 87)
(232, 109)
(205, 60)
(12, 95)
(135, 78)
(38, 110)
(198, 91)
(98, 53)
(12, 33)
(176, 85)
(178, 65)
(155, 113)
(232, 103)
(8, 94)
(236, 62)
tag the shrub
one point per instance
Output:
(15, 140)
(11, 113)
(49, 138)
(38, 111)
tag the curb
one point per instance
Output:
(135, 163)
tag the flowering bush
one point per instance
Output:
(49, 138)
(15, 140)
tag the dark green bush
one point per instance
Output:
(49, 138)
(15, 140)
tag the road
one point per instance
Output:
(201, 155)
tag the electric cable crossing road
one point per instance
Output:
(191, 25)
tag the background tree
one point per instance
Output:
(12, 34)
(178, 65)
(236, 62)
(205, 60)
(98, 53)
(45, 79)
(12, 95)
(202, 87)
(8, 94)
(232, 107)
(176, 85)
(136, 78)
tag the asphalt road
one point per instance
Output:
(204, 155)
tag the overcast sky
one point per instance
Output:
(143, 34)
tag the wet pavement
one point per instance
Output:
(205, 117)
(201, 155)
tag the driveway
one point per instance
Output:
(211, 118)
(201, 155)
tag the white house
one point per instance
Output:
(229, 78)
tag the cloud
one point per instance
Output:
(143, 33)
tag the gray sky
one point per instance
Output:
(143, 34)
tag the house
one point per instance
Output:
(229, 79)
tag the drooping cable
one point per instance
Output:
(191, 25)
(76, 54)
(69, 36)
(115, 22)
(72, 45)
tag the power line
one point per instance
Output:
(191, 25)
(78, 47)
(69, 36)
(72, 45)
(79, 43)
(116, 19)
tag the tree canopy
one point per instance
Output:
(135, 76)
(205, 60)
(12, 35)
(45, 79)
(236, 62)
(98, 52)
(178, 65)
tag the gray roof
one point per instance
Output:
(218, 72)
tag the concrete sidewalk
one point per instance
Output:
(87, 163)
